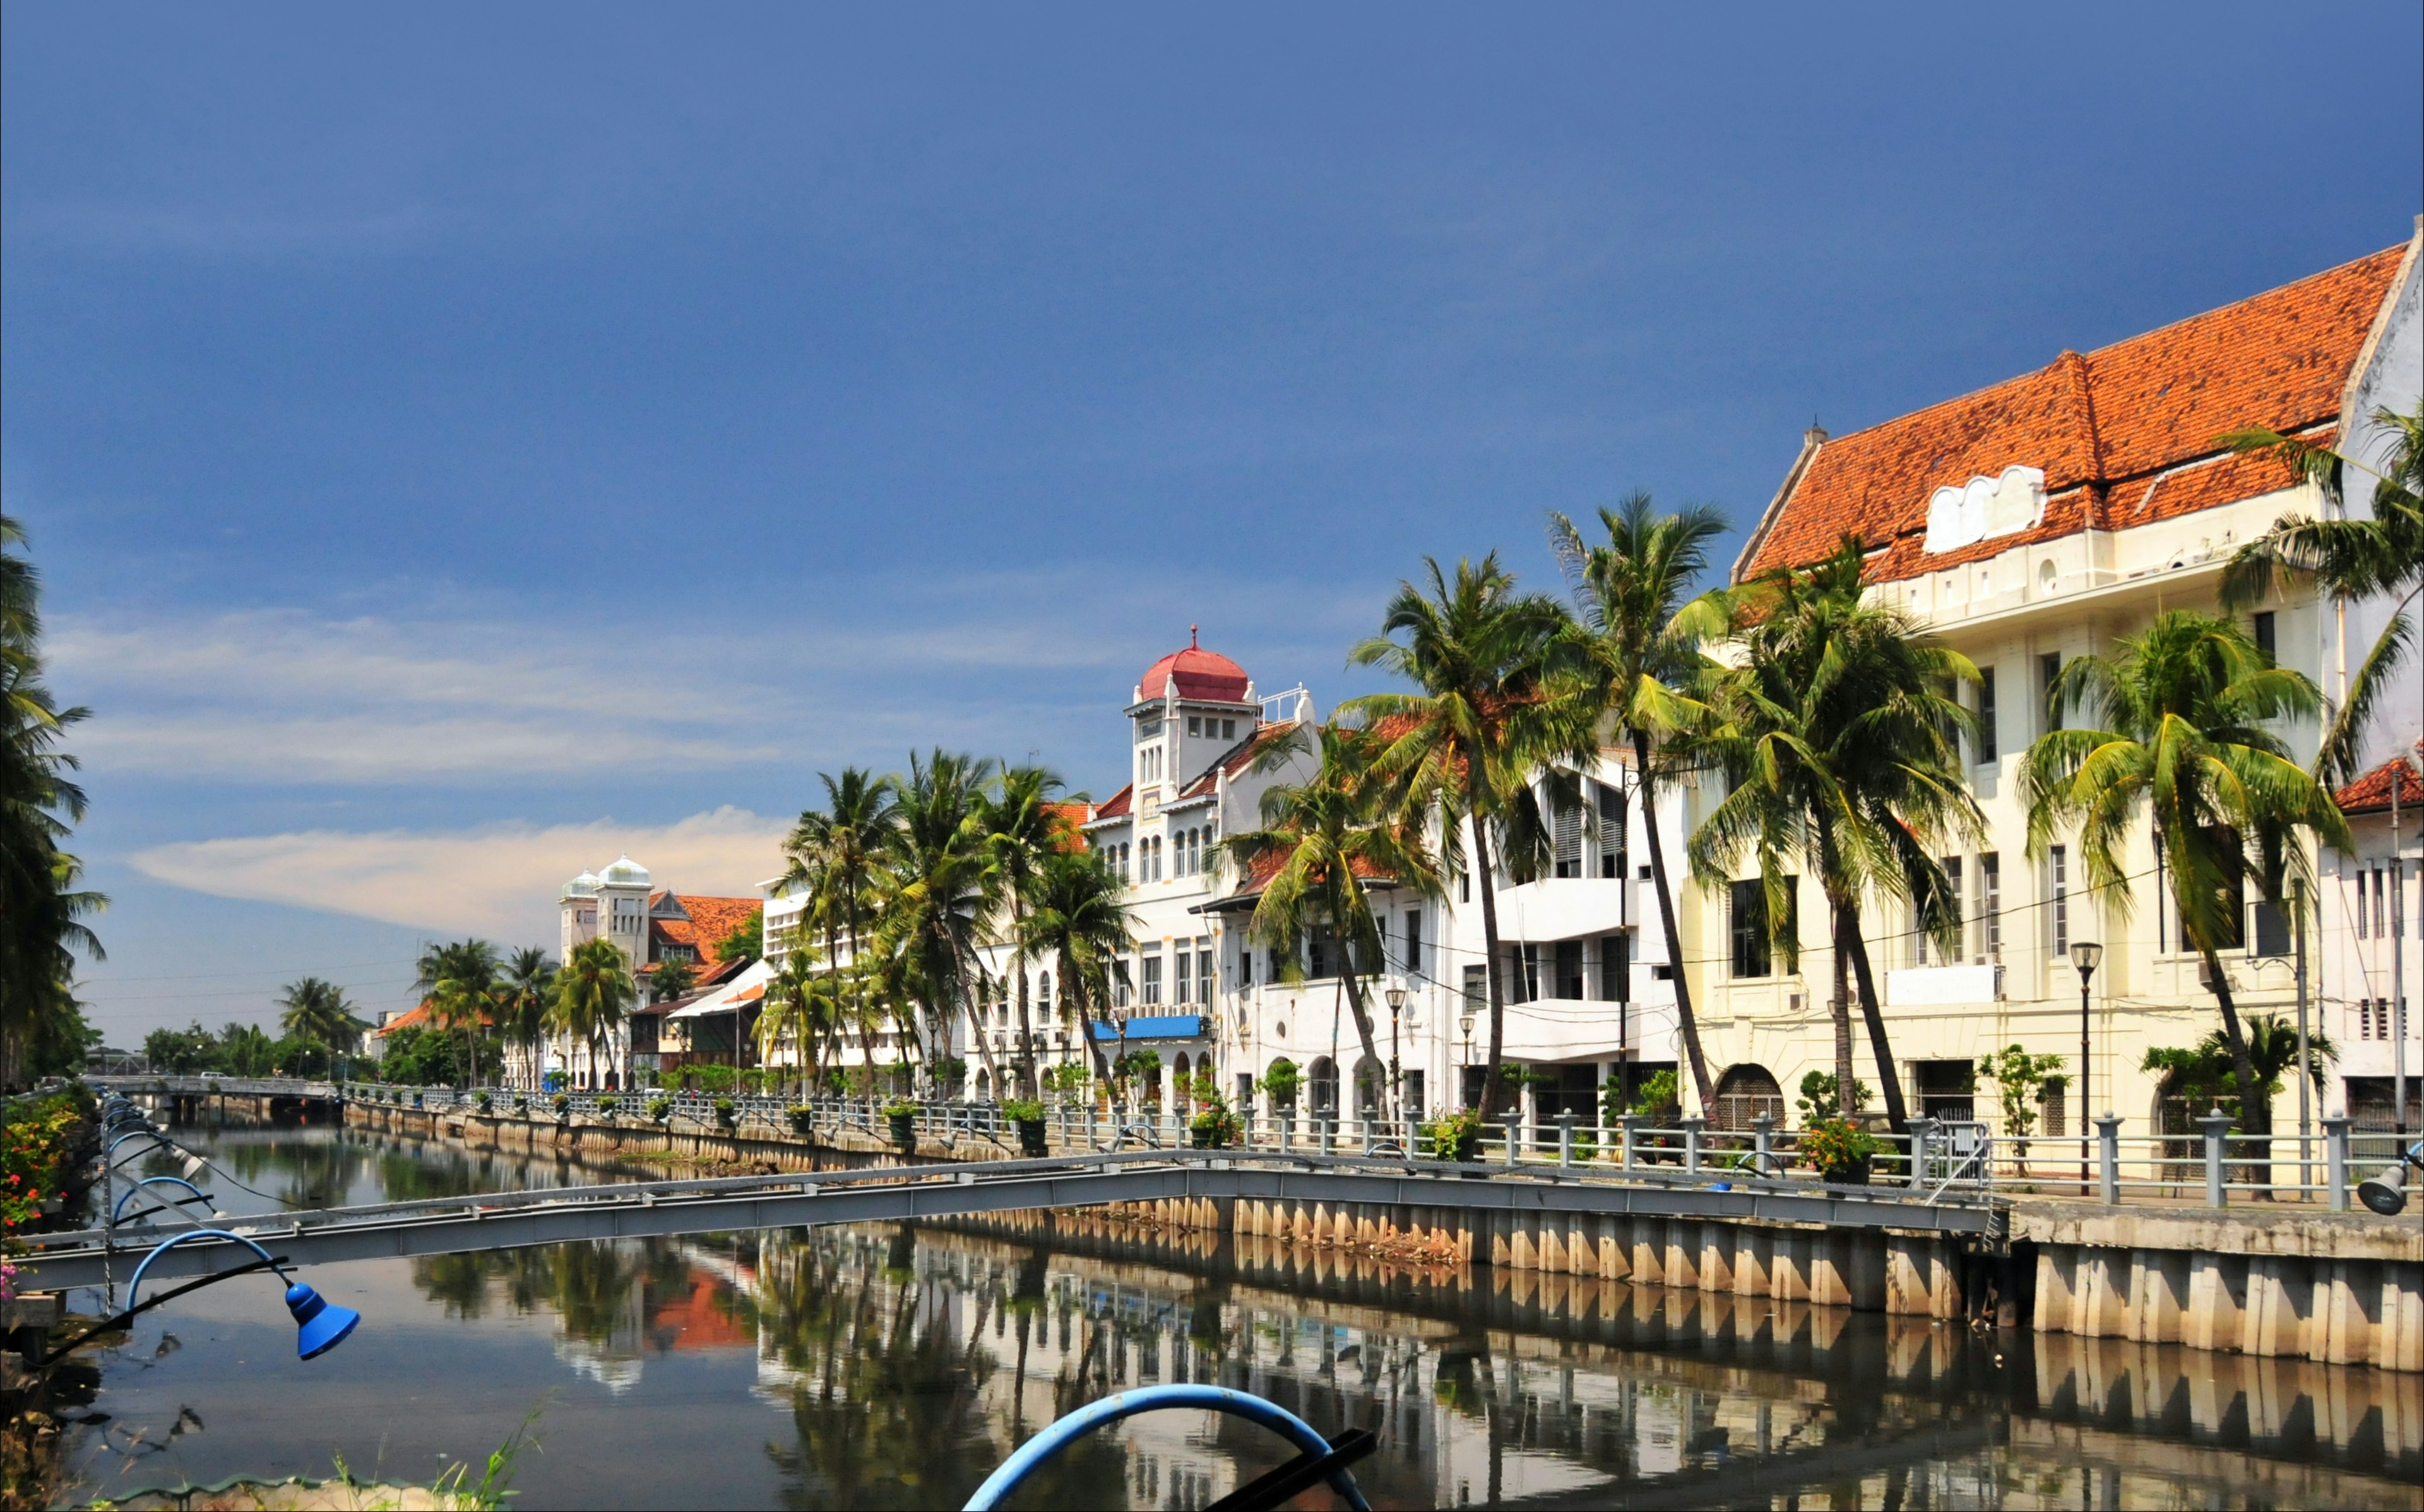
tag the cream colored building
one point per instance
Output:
(2030, 523)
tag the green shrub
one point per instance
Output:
(901, 1107)
(609, 1105)
(1280, 1083)
(1454, 1135)
(1837, 1145)
(1022, 1110)
(482, 1101)
(661, 1109)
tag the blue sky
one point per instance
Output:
(464, 442)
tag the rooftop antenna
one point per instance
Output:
(1190, 639)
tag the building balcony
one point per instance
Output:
(1944, 986)
(1566, 908)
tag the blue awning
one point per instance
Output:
(1170, 1027)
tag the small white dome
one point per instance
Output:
(584, 885)
(625, 872)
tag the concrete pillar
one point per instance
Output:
(1753, 1266)
(2099, 1294)
(1788, 1265)
(1717, 1257)
(1907, 1281)
(2158, 1294)
(2398, 1328)
(2346, 1308)
(2217, 1301)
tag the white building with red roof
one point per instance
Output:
(652, 927)
(2370, 958)
(2028, 524)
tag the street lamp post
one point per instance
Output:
(1465, 1021)
(1397, 996)
(2084, 957)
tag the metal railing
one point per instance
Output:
(2212, 1167)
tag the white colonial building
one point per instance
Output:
(2028, 524)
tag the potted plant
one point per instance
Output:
(1214, 1127)
(607, 1106)
(803, 1119)
(660, 1110)
(726, 1117)
(1841, 1150)
(901, 1113)
(483, 1102)
(1026, 1115)
(522, 1104)
(1454, 1135)
(561, 1103)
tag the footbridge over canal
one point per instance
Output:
(1833, 1238)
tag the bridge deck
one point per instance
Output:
(506, 1220)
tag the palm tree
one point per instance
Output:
(460, 982)
(800, 1000)
(1640, 642)
(2350, 559)
(42, 908)
(316, 1010)
(934, 890)
(1469, 748)
(1836, 737)
(669, 980)
(522, 1001)
(594, 995)
(1022, 832)
(1080, 921)
(2184, 708)
(836, 856)
(1321, 843)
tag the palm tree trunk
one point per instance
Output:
(1888, 1079)
(2254, 1109)
(1363, 1031)
(1686, 1025)
(1839, 1008)
(1487, 883)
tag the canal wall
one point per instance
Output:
(2330, 1288)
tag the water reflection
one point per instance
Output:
(888, 1366)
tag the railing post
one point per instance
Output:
(1566, 1139)
(1514, 1136)
(2215, 1123)
(1287, 1132)
(1631, 1126)
(2108, 1152)
(2336, 1159)
(1329, 1136)
(1922, 1134)
(1763, 1135)
(1692, 1127)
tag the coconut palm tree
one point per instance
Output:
(594, 993)
(2184, 708)
(801, 998)
(1322, 842)
(1080, 921)
(316, 1010)
(669, 979)
(1022, 832)
(2350, 560)
(42, 908)
(1468, 750)
(1837, 735)
(1638, 649)
(836, 856)
(934, 891)
(458, 981)
(523, 996)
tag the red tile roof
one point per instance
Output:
(2106, 428)
(1117, 806)
(2370, 793)
(1199, 673)
(710, 919)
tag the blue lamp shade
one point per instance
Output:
(323, 1327)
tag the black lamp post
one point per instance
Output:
(1397, 996)
(2084, 957)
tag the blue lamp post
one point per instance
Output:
(321, 1325)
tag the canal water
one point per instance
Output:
(883, 1366)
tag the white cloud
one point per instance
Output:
(500, 881)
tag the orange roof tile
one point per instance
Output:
(710, 919)
(2370, 793)
(2105, 427)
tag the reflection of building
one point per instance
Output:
(2371, 929)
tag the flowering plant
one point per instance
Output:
(1836, 1145)
(1454, 1135)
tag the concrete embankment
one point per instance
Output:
(2340, 1289)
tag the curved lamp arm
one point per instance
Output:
(1066, 1431)
(151, 1181)
(135, 1287)
(110, 1153)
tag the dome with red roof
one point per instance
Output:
(1198, 672)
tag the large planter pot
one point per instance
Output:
(804, 1124)
(1855, 1173)
(1031, 1136)
(1204, 1139)
(904, 1130)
